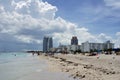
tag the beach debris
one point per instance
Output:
(55, 57)
(80, 70)
(113, 57)
(69, 62)
(46, 54)
(107, 72)
(98, 57)
(75, 64)
(62, 59)
(110, 63)
(67, 70)
(78, 75)
(88, 66)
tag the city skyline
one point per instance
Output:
(24, 23)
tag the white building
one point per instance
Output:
(108, 45)
(96, 46)
(87, 47)
(73, 48)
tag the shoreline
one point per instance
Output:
(100, 67)
(27, 67)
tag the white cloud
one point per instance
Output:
(36, 8)
(118, 34)
(115, 4)
(27, 21)
(19, 5)
(103, 37)
(117, 40)
(27, 39)
(82, 34)
(1, 8)
(108, 11)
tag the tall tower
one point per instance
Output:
(50, 43)
(74, 40)
(47, 44)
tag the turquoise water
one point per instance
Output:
(12, 54)
(23, 66)
(16, 65)
(8, 57)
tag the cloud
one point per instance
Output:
(118, 34)
(36, 8)
(24, 23)
(1, 8)
(23, 27)
(27, 39)
(104, 11)
(103, 37)
(117, 40)
(82, 34)
(115, 4)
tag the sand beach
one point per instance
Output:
(81, 67)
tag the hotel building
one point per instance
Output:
(87, 47)
(47, 44)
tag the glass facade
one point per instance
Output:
(74, 40)
(47, 44)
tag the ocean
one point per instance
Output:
(24, 66)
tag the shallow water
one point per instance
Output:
(22, 66)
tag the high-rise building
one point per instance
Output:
(74, 40)
(47, 44)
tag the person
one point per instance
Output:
(33, 53)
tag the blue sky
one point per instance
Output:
(92, 14)
(24, 23)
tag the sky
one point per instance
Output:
(24, 23)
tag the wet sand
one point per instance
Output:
(101, 67)
(29, 68)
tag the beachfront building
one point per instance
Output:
(108, 45)
(69, 48)
(47, 44)
(88, 47)
(85, 47)
(74, 45)
(73, 48)
(74, 40)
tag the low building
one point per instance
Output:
(73, 48)
(88, 47)
(62, 49)
(85, 47)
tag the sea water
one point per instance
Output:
(24, 66)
